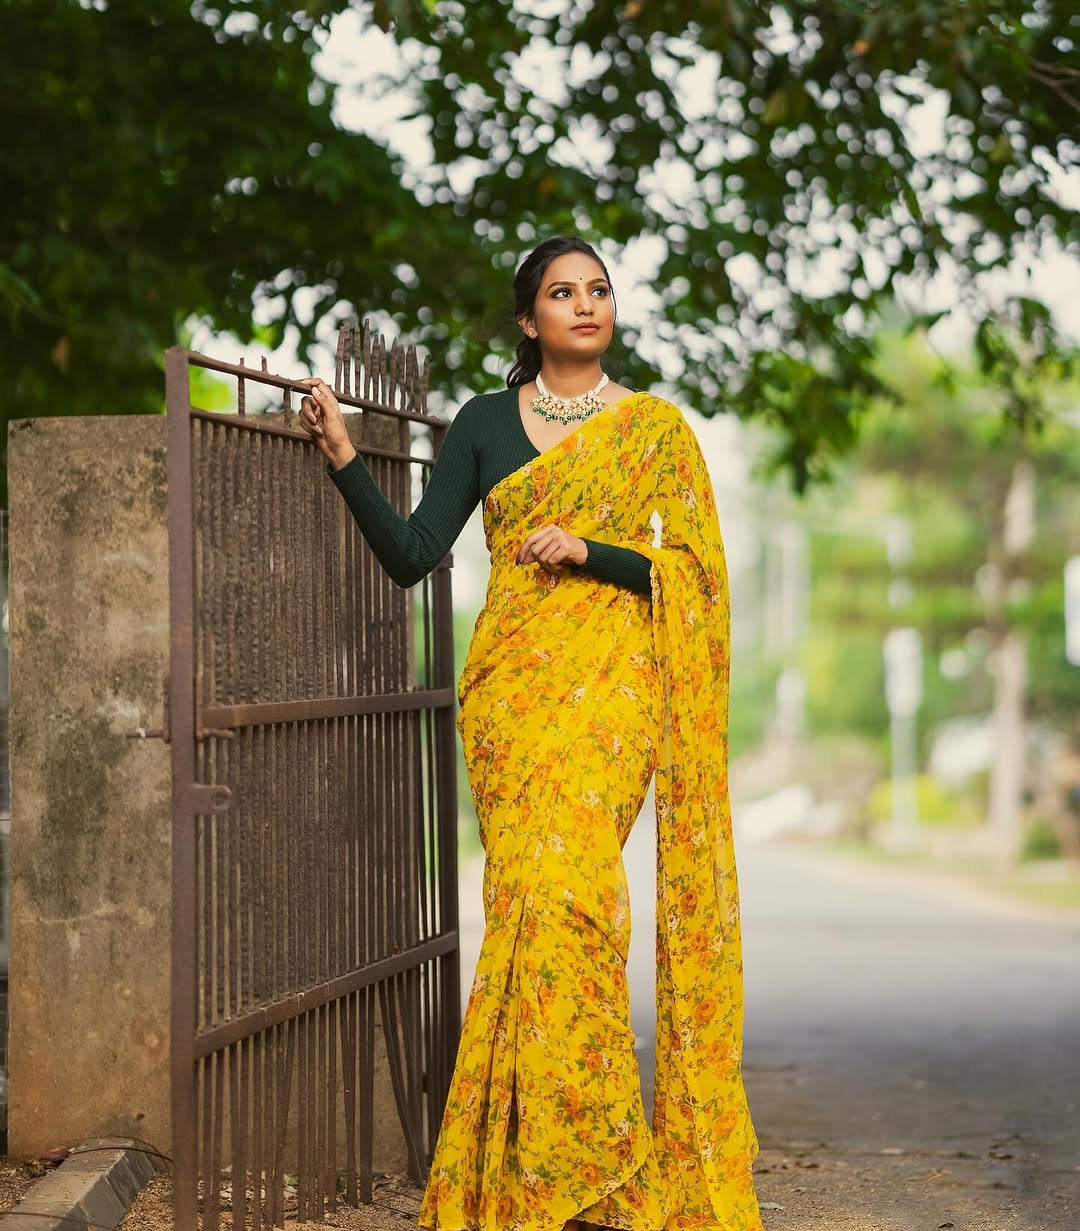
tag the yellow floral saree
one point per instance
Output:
(574, 692)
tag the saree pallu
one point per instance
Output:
(574, 692)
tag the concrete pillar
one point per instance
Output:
(89, 637)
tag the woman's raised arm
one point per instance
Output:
(408, 548)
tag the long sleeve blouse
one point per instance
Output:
(484, 443)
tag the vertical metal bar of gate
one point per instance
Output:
(449, 977)
(314, 861)
(181, 721)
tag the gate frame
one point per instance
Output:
(187, 721)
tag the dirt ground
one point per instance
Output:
(396, 1205)
(802, 1187)
(817, 1190)
(16, 1179)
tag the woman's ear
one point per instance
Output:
(527, 326)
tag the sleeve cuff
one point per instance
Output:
(336, 471)
(621, 565)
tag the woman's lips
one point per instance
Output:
(585, 328)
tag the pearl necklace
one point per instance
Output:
(549, 405)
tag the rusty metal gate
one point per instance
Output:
(314, 874)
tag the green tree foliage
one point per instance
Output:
(797, 156)
(157, 167)
(178, 158)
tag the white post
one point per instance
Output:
(903, 695)
(1072, 610)
(1007, 772)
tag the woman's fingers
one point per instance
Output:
(310, 416)
(322, 393)
(319, 392)
(321, 417)
(549, 546)
(533, 544)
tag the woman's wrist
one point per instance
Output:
(341, 457)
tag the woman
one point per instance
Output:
(598, 658)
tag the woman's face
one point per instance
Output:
(574, 314)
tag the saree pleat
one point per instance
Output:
(574, 693)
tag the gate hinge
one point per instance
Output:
(210, 799)
(163, 732)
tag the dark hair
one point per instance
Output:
(527, 282)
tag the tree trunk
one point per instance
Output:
(1007, 767)
(1017, 527)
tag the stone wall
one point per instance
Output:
(90, 832)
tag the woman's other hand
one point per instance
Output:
(552, 547)
(321, 418)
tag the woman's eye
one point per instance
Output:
(601, 291)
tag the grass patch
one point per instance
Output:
(1052, 884)
(1056, 895)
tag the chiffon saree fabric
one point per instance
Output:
(574, 692)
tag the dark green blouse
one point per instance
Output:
(485, 442)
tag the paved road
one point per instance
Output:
(912, 1054)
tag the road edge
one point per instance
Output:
(93, 1187)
